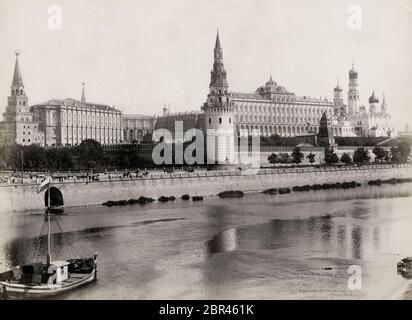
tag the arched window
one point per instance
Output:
(220, 120)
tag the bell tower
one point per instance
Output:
(353, 93)
(220, 141)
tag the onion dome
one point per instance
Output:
(373, 98)
(337, 88)
(353, 73)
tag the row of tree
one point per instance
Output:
(397, 154)
(88, 155)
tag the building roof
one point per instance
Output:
(76, 103)
(17, 78)
(60, 263)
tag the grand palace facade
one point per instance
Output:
(270, 110)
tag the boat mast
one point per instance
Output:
(48, 229)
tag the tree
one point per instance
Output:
(334, 158)
(330, 156)
(380, 153)
(147, 138)
(297, 155)
(400, 153)
(90, 153)
(361, 156)
(284, 157)
(34, 157)
(311, 157)
(346, 159)
(273, 158)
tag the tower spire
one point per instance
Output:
(17, 82)
(83, 93)
(217, 44)
(218, 74)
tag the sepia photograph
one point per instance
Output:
(198, 150)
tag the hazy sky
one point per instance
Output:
(139, 54)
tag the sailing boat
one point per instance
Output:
(41, 280)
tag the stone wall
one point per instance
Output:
(209, 183)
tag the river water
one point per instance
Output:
(294, 246)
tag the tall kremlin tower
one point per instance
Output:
(219, 118)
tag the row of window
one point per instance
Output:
(279, 109)
(220, 120)
(269, 119)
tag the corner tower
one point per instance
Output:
(218, 110)
(18, 126)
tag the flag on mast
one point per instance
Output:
(44, 185)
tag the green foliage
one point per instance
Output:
(311, 157)
(147, 138)
(380, 153)
(400, 153)
(273, 158)
(281, 158)
(330, 156)
(276, 140)
(346, 159)
(297, 155)
(359, 141)
(284, 158)
(90, 153)
(361, 156)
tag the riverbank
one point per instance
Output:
(206, 184)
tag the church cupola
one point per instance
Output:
(373, 103)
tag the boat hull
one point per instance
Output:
(20, 291)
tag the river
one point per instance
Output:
(293, 246)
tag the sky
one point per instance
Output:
(140, 54)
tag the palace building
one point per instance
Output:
(273, 109)
(67, 122)
(57, 122)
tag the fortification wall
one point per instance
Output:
(21, 198)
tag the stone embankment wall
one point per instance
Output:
(208, 183)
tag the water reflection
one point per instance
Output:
(25, 250)
(293, 246)
(320, 235)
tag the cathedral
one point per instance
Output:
(372, 122)
(273, 109)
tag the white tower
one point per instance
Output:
(220, 140)
(353, 93)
